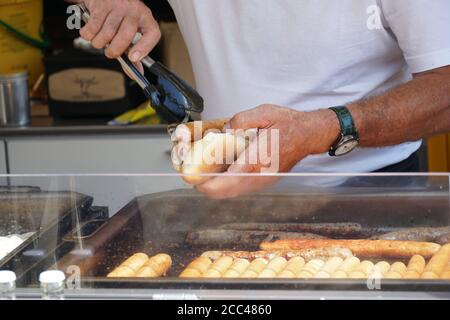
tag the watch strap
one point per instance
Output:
(348, 127)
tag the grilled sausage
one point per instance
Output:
(443, 239)
(230, 238)
(415, 234)
(335, 230)
(364, 248)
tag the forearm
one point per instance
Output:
(415, 110)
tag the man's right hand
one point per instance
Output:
(116, 22)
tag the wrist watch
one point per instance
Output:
(349, 138)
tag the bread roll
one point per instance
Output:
(415, 268)
(322, 275)
(121, 272)
(310, 269)
(155, 267)
(429, 275)
(446, 273)
(212, 273)
(396, 271)
(146, 272)
(277, 264)
(191, 273)
(364, 248)
(231, 273)
(411, 275)
(382, 267)
(437, 264)
(398, 267)
(363, 270)
(293, 267)
(201, 264)
(346, 268)
(274, 267)
(267, 273)
(237, 268)
(219, 267)
(286, 274)
(330, 267)
(136, 261)
(255, 268)
(133, 263)
(393, 275)
(416, 263)
(212, 154)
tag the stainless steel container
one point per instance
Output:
(14, 101)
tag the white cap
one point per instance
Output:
(52, 276)
(7, 276)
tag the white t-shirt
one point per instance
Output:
(311, 54)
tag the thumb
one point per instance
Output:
(251, 119)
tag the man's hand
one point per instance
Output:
(285, 135)
(116, 22)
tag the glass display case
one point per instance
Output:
(305, 236)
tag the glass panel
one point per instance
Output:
(89, 225)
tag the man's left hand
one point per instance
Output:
(286, 136)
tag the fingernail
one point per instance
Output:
(135, 56)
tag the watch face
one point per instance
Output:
(346, 147)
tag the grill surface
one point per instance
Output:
(159, 223)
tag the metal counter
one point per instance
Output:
(79, 130)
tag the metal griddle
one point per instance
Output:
(160, 222)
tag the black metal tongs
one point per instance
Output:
(172, 98)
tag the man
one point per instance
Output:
(384, 63)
